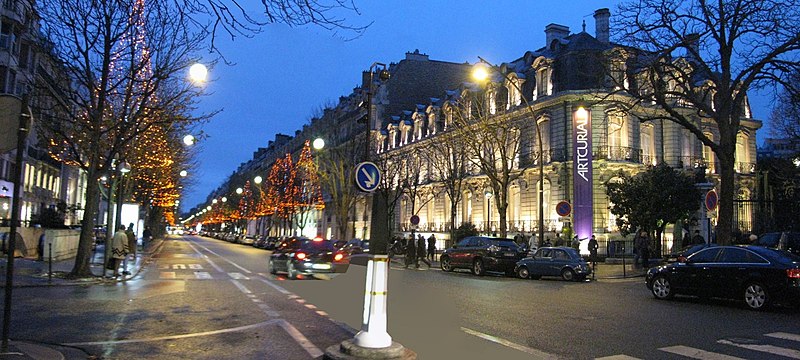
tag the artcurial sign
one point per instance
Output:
(582, 170)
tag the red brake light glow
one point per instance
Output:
(318, 238)
(793, 273)
(300, 256)
(338, 257)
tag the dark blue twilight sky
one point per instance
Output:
(284, 74)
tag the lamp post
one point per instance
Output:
(383, 75)
(481, 74)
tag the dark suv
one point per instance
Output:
(481, 254)
(789, 241)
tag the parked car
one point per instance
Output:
(356, 246)
(272, 242)
(481, 254)
(789, 241)
(303, 256)
(754, 274)
(561, 261)
(245, 239)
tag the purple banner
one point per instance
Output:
(582, 172)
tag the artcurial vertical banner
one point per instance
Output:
(582, 172)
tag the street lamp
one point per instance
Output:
(183, 173)
(258, 179)
(481, 73)
(318, 144)
(198, 73)
(189, 140)
(239, 191)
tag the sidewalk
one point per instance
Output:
(33, 273)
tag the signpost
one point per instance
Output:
(711, 200)
(563, 208)
(367, 176)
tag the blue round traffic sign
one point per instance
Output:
(563, 208)
(367, 176)
(711, 200)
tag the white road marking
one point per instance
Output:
(241, 287)
(238, 276)
(196, 266)
(174, 337)
(322, 313)
(790, 353)
(274, 286)
(202, 275)
(618, 357)
(178, 267)
(223, 258)
(536, 353)
(210, 262)
(312, 350)
(693, 353)
(784, 336)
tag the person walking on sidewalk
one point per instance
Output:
(643, 246)
(119, 249)
(431, 247)
(411, 253)
(131, 239)
(421, 252)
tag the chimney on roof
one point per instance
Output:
(554, 32)
(693, 47)
(416, 55)
(601, 28)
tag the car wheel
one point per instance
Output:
(662, 289)
(291, 272)
(271, 267)
(444, 263)
(477, 267)
(523, 272)
(568, 275)
(755, 296)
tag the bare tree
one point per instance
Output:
(125, 63)
(448, 160)
(392, 184)
(494, 144)
(416, 180)
(730, 47)
(337, 167)
(785, 115)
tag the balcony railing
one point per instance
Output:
(618, 153)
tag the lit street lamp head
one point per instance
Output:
(188, 140)
(239, 191)
(318, 144)
(258, 179)
(198, 73)
(183, 173)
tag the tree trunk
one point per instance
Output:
(81, 268)
(726, 195)
(453, 215)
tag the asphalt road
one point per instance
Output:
(207, 299)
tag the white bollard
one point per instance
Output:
(373, 327)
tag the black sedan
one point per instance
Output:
(481, 254)
(754, 274)
(303, 256)
(561, 261)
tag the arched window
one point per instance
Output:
(430, 214)
(742, 153)
(687, 142)
(611, 225)
(548, 216)
(491, 99)
(466, 208)
(431, 124)
(617, 136)
(708, 156)
(647, 143)
(544, 127)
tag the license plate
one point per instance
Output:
(321, 266)
(509, 254)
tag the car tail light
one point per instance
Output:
(793, 273)
(300, 256)
(338, 257)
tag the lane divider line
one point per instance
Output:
(175, 337)
(226, 259)
(312, 350)
(536, 353)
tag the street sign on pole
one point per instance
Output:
(563, 208)
(367, 176)
(711, 200)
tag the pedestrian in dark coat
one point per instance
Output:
(697, 239)
(421, 252)
(431, 247)
(643, 248)
(593, 249)
(411, 252)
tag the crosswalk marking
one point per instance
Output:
(179, 266)
(784, 336)
(202, 275)
(693, 353)
(790, 353)
(195, 266)
(238, 276)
